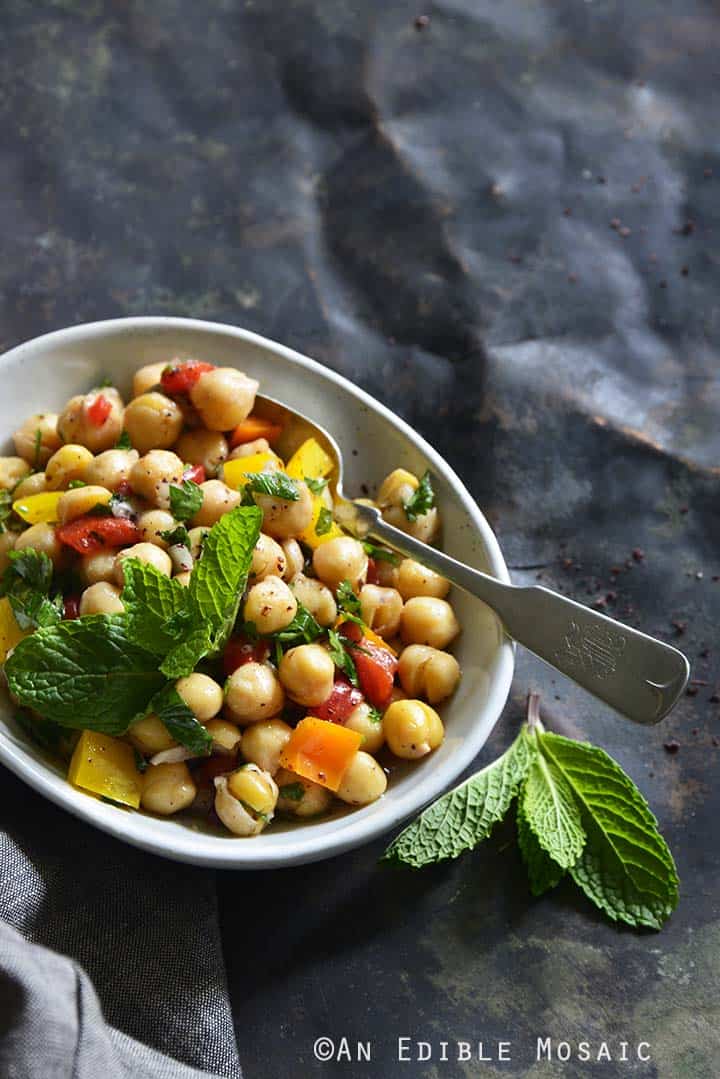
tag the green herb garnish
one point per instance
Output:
(176, 537)
(578, 813)
(324, 522)
(74, 484)
(315, 485)
(348, 602)
(381, 554)
(6, 501)
(124, 442)
(180, 721)
(27, 582)
(422, 499)
(341, 656)
(277, 484)
(304, 629)
(293, 792)
(185, 500)
(37, 450)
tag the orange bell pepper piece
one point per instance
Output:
(320, 751)
(255, 427)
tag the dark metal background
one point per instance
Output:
(504, 225)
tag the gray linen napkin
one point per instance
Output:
(140, 981)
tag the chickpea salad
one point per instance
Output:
(186, 627)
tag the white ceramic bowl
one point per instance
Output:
(43, 373)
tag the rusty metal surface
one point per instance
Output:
(503, 223)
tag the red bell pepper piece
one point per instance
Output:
(343, 699)
(71, 606)
(375, 666)
(179, 378)
(194, 474)
(98, 410)
(89, 534)
(372, 572)
(240, 650)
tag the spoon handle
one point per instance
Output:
(638, 675)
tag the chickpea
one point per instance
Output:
(12, 470)
(361, 720)
(152, 522)
(202, 695)
(294, 559)
(36, 440)
(153, 421)
(268, 559)
(42, 538)
(150, 735)
(111, 468)
(316, 597)
(425, 527)
(270, 605)
(396, 489)
(224, 397)
(300, 797)
(427, 620)
(101, 598)
(69, 463)
(225, 735)
(381, 609)
(252, 693)
(218, 499)
(206, 448)
(75, 425)
(415, 579)
(254, 806)
(428, 672)
(386, 573)
(341, 559)
(34, 484)
(151, 476)
(7, 543)
(183, 578)
(363, 782)
(167, 788)
(247, 449)
(282, 518)
(197, 538)
(145, 552)
(412, 729)
(262, 743)
(97, 567)
(80, 501)
(307, 673)
(147, 378)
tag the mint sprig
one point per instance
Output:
(27, 582)
(577, 812)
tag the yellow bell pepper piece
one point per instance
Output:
(106, 766)
(310, 460)
(10, 632)
(310, 536)
(38, 508)
(234, 472)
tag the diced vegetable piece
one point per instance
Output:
(194, 474)
(240, 650)
(342, 624)
(71, 606)
(10, 632)
(179, 378)
(320, 751)
(234, 472)
(252, 428)
(98, 410)
(310, 536)
(90, 534)
(375, 664)
(343, 699)
(310, 460)
(38, 508)
(106, 766)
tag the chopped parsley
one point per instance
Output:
(348, 602)
(381, 554)
(341, 657)
(324, 522)
(315, 485)
(422, 499)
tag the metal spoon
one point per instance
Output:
(639, 676)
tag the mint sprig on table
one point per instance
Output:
(577, 813)
(103, 672)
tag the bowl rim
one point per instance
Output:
(301, 844)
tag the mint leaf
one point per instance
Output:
(151, 599)
(626, 868)
(304, 629)
(381, 554)
(124, 442)
(27, 582)
(324, 522)
(315, 485)
(548, 805)
(465, 816)
(84, 673)
(341, 657)
(49, 736)
(421, 501)
(347, 600)
(543, 872)
(293, 792)
(180, 721)
(215, 590)
(277, 484)
(185, 500)
(176, 537)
